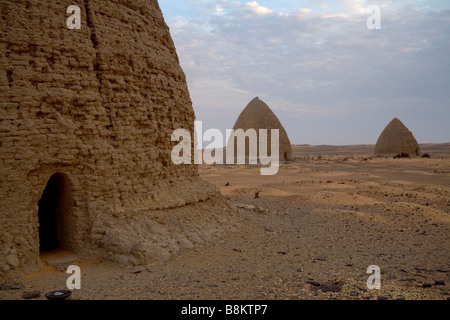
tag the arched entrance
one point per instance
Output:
(54, 213)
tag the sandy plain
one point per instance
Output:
(309, 232)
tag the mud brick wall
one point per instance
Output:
(258, 115)
(97, 106)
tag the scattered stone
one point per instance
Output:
(11, 285)
(426, 155)
(402, 155)
(427, 285)
(313, 283)
(62, 266)
(31, 295)
(322, 257)
(227, 184)
(401, 298)
(257, 194)
(245, 206)
(382, 298)
(326, 286)
(362, 289)
(136, 271)
(282, 252)
(403, 270)
(268, 229)
(439, 283)
(259, 209)
(443, 270)
(354, 293)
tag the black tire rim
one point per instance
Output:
(58, 295)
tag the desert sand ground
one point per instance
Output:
(321, 221)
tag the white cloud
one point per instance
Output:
(255, 7)
(316, 63)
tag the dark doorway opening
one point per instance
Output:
(51, 213)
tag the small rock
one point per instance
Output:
(326, 286)
(362, 289)
(11, 285)
(402, 155)
(403, 270)
(354, 293)
(427, 285)
(401, 298)
(259, 209)
(268, 229)
(322, 257)
(313, 283)
(62, 266)
(439, 283)
(382, 298)
(227, 184)
(136, 271)
(31, 295)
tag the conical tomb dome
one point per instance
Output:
(86, 118)
(257, 115)
(395, 139)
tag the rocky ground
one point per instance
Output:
(310, 232)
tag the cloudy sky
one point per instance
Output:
(328, 78)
